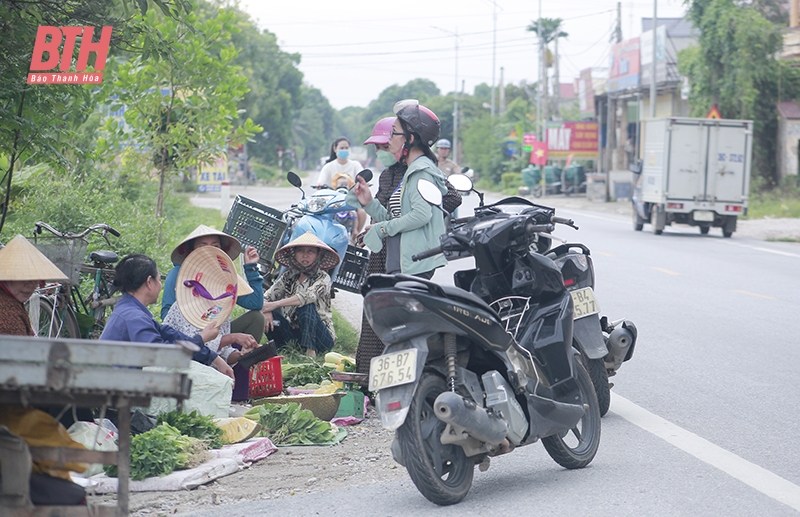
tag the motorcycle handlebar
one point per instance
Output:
(562, 220)
(536, 228)
(427, 253)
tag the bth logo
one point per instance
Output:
(48, 42)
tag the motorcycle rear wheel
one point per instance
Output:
(576, 448)
(442, 473)
(599, 375)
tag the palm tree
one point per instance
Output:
(551, 31)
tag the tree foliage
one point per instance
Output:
(180, 95)
(734, 68)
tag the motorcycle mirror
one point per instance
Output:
(461, 182)
(429, 192)
(294, 179)
(366, 174)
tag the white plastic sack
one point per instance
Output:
(94, 438)
(211, 392)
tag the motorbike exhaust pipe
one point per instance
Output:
(453, 409)
(619, 343)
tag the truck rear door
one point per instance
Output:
(727, 158)
(686, 166)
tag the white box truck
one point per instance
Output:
(693, 171)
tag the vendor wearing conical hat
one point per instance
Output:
(298, 305)
(22, 267)
(250, 322)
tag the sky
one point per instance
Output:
(352, 50)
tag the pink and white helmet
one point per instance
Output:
(381, 132)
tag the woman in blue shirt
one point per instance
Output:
(138, 278)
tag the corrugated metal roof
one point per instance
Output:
(676, 27)
(788, 110)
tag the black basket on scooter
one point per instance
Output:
(353, 271)
(256, 225)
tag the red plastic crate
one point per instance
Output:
(266, 378)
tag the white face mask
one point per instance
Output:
(386, 158)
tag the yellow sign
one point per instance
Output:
(211, 176)
(714, 113)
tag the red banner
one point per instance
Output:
(572, 138)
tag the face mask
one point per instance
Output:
(386, 158)
(342, 154)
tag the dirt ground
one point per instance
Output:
(363, 457)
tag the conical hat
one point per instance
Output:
(230, 245)
(329, 257)
(210, 274)
(20, 260)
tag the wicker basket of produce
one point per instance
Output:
(324, 406)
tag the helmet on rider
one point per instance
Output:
(419, 120)
(381, 132)
(443, 144)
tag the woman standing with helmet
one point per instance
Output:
(409, 224)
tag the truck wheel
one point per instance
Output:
(726, 234)
(704, 229)
(657, 231)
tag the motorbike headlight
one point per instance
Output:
(336, 206)
(317, 204)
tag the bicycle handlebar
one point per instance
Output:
(71, 235)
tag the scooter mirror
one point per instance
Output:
(461, 182)
(429, 192)
(294, 179)
(366, 174)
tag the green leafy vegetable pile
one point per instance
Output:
(299, 374)
(289, 424)
(195, 425)
(161, 450)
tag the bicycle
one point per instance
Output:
(60, 309)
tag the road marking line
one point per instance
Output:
(667, 271)
(757, 477)
(748, 293)
(767, 250)
(584, 213)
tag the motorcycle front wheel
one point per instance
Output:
(442, 473)
(575, 448)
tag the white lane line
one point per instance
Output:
(767, 250)
(583, 213)
(748, 473)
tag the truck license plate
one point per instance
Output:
(703, 215)
(394, 369)
(584, 303)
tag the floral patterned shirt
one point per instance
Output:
(316, 289)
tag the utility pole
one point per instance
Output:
(542, 72)
(494, 49)
(502, 96)
(653, 64)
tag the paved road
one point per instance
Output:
(703, 417)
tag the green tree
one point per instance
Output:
(734, 68)
(314, 127)
(420, 89)
(180, 94)
(275, 87)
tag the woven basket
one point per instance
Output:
(324, 406)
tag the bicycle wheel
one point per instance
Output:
(67, 324)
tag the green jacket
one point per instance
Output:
(420, 225)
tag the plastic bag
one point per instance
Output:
(94, 437)
(211, 392)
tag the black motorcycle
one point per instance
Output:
(604, 345)
(462, 380)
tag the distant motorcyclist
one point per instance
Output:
(446, 165)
